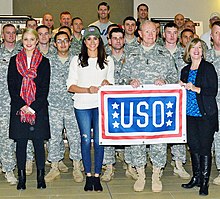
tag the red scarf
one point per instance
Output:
(28, 87)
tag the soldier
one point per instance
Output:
(129, 26)
(178, 150)
(189, 24)
(185, 36)
(44, 40)
(65, 20)
(149, 63)
(213, 56)
(31, 23)
(116, 42)
(142, 15)
(61, 110)
(179, 20)
(72, 51)
(7, 146)
(215, 16)
(103, 22)
(47, 20)
(76, 44)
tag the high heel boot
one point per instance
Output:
(195, 180)
(205, 162)
(40, 179)
(21, 180)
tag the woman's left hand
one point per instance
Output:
(105, 82)
(190, 86)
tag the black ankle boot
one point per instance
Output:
(97, 184)
(195, 180)
(40, 179)
(89, 183)
(205, 162)
(21, 180)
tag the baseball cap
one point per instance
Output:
(215, 15)
(92, 30)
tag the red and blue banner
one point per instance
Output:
(149, 114)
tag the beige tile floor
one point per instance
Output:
(119, 188)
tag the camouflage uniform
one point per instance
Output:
(7, 146)
(215, 60)
(160, 41)
(76, 45)
(61, 113)
(148, 66)
(131, 44)
(179, 150)
(109, 151)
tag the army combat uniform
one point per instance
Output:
(212, 57)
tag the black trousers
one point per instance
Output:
(200, 134)
(21, 154)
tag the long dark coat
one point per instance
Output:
(41, 128)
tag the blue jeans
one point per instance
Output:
(87, 119)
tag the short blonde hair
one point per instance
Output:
(30, 30)
(192, 43)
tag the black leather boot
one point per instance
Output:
(97, 184)
(205, 162)
(89, 183)
(195, 180)
(21, 180)
(40, 179)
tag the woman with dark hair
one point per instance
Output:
(201, 82)
(88, 71)
(28, 84)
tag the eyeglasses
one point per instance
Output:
(60, 41)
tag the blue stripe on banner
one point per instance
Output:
(142, 114)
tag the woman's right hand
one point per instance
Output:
(93, 89)
(24, 108)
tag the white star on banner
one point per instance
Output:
(115, 105)
(169, 123)
(169, 113)
(115, 115)
(115, 125)
(169, 105)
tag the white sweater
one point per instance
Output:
(90, 75)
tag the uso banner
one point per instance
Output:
(149, 114)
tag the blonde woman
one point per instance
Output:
(28, 84)
(201, 82)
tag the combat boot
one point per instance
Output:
(140, 182)
(29, 167)
(108, 174)
(216, 181)
(77, 174)
(131, 172)
(180, 171)
(54, 172)
(62, 167)
(156, 182)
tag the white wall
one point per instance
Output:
(197, 10)
(6, 7)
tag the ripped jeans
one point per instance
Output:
(87, 119)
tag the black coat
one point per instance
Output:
(207, 80)
(41, 128)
